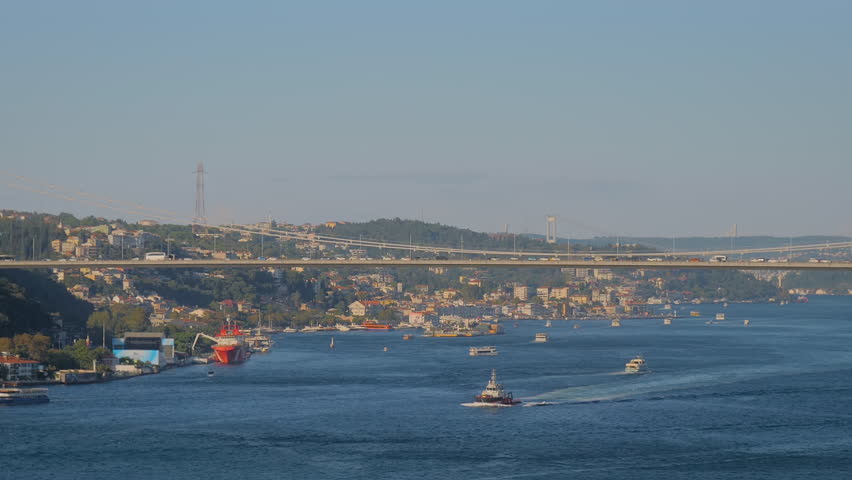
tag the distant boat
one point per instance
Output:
(720, 317)
(548, 324)
(386, 349)
(576, 325)
(745, 323)
(331, 345)
(636, 365)
(615, 323)
(667, 321)
(694, 313)
(477, 351)
(541, 338)
(210, 373)
(407, 336)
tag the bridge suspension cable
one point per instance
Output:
(55, 191)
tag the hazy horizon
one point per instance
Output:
(655, 119)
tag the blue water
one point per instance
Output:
(771, 400)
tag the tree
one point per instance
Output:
(60, 360)
(6, 345)
(32, 346)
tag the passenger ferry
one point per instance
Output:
(636, 365)
(23, 396)
(720, 317)
(541, 338)
(480, 351)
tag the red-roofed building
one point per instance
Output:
(17, 368)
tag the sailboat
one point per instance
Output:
(331, 345)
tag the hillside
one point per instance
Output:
(28, 298)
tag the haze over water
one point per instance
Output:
(770, 400)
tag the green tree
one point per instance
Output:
(6, 345)
(60, 360)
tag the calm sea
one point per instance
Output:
(771, 400)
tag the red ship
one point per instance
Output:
(230, 346)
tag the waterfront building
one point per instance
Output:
(17, 368)
(151, 347)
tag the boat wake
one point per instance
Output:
(484, 405)
(657, 385)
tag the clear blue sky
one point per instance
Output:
(621, 117)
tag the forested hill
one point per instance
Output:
(28, 298)
(421, 233)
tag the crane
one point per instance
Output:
(199, 335)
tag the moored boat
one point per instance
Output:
(230, 344)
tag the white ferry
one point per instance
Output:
(541, 337)
(23, 396)
(636, 365)
(479, 351)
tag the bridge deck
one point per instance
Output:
(619, 264)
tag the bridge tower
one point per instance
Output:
(550, 237)
(200, 201)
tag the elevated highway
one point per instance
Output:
(478, 263)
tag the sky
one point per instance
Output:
(653, 118)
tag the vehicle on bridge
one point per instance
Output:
(719, 258)
(155, 256)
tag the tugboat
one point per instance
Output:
(230, 346)
(493, 395)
